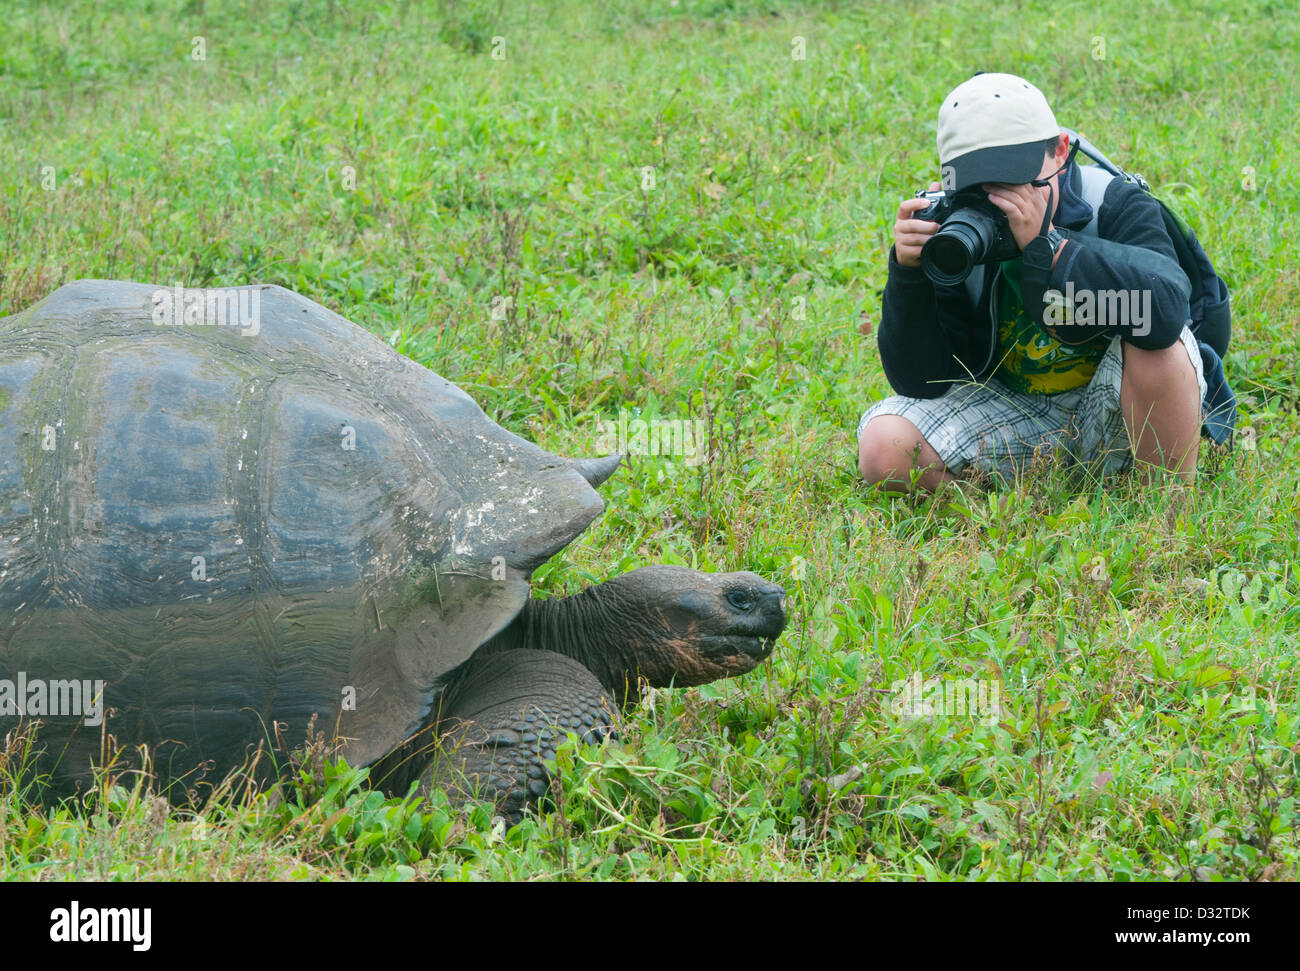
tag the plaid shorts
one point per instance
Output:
(991, 428)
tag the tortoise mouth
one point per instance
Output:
(765, 647)
(755, 636)
(752, 647)
(748, 639)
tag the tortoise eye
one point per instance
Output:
(739, 599)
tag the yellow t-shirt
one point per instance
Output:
(1032, 360)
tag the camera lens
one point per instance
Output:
(947, 259)
(960, 244)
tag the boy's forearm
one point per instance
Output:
(1098, 275)
(1133, 260)
(914, 349)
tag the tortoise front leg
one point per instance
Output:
(503, 716)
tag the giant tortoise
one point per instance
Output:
(238, 510)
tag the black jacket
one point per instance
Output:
(931, 336)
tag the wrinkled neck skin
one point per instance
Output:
(598, 628)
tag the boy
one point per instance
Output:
(975, 392)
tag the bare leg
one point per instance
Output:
(1158, 398)
(890, 447)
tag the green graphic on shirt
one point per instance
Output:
(1032, 360)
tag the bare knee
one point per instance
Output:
(890, 447)
(1151, 375)
(1160, 402)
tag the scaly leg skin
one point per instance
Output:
(503, 716)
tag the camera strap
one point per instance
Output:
(1047, 183)
(1035, 278)
(1047, 213)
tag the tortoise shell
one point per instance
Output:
(236, 508)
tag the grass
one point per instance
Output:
(673, 217)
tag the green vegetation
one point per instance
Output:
(673, 217)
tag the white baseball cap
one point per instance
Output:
(992, 129)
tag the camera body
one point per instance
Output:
(972, 231)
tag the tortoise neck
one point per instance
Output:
(593, 628)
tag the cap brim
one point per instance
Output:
(1012, 164)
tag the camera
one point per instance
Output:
(972, 231)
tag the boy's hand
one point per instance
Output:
(1024, 206)
(910, 234)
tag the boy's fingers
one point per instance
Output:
(999, 200)
(909, 206)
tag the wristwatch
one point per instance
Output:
(1039, 254)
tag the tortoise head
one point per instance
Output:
(683, 627)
